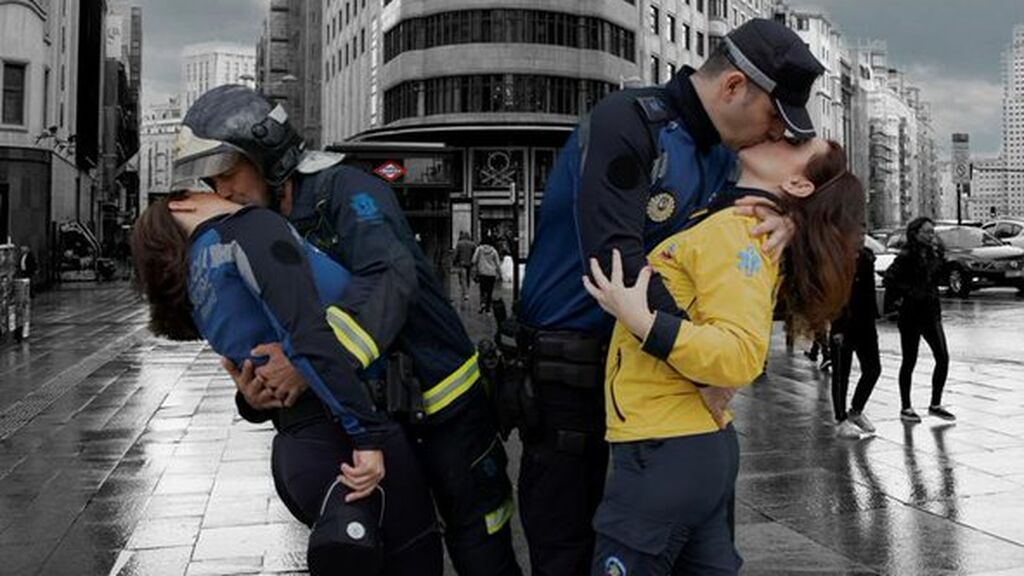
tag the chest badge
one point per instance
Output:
(660, 207)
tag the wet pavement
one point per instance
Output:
(122, 454)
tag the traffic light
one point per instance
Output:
(991, 211)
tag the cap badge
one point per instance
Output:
(661, 206)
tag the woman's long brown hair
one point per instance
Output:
(822, 256)
(160, 255)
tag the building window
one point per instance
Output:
(686, 36)
(700, 6)
(362, 41)
(801, 23)
(671, 23)
(495, 93)
(13, 107)
(654, 14)
(512, 26)
(700, 43)
(655, 69)
(713, 42)
(671, 70)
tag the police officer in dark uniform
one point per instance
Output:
(629, 177)
(393, 307)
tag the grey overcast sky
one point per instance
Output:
(951, 48)
(170, 25)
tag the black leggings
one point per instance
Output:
(486, 290)
(866, 348)
(911, 331)
(305, 462)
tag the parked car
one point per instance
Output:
(883, 259)
(1010, 230)
(977, 259)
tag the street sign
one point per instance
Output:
(390, 171)
(961, 159)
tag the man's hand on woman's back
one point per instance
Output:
(778, 227)
(275, 384)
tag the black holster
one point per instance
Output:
(508, 383)
(398, 393)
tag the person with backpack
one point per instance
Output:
(628, 177)
(487, 271)
(394, 308)
(463, 262)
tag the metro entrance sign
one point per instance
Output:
(390, 171)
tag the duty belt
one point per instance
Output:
(570, 358)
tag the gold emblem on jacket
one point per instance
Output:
(661, 206)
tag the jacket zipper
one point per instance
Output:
(615, 402)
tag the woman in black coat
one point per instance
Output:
(914, 276)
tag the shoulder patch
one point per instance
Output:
(654, 108)
(365, 207)
(750, 261)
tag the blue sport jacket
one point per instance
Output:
(252, 280)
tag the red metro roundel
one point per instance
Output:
(390, 171)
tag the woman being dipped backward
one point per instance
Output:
(668, 500)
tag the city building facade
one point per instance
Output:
(1013, 124)
(210, 64)
(474, 98)
(289, 60)
(990, 182)
(51, 57)
(119, 175)
(901, 155)
(160, 126)
(825, 42)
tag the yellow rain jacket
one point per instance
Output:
(720, 275)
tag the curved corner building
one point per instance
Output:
(473, 98)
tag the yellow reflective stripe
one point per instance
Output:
(497, 519)
(352, 336)
(349, 345)
(449, 389)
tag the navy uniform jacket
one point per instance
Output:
(394, 302)
(621, 181)
(252, 282)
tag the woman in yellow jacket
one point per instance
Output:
(666, 505)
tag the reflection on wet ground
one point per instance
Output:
(121, 454)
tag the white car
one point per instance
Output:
(1009, 230)
(883, 259)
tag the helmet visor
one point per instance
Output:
(197, 158)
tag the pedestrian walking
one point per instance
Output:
(854, 332)
(486, 271)
(27, 264)
(914, 277)
(629, 177)
(820, 344)
(463, 262)
(674, 464)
